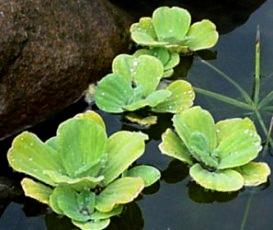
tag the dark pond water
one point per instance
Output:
(176, 202)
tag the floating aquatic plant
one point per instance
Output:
(221, 154)
(171, 28)
(81, 173)
(135, 84)
(168, 59)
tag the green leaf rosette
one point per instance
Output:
(171, 28)
(220, 154)
(80, 173)
(134, 84)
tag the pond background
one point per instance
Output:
(176, 202)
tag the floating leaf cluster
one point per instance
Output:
(81, 173)
(171, 28)
(135, 84)
(221, 154)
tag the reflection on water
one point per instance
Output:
(176, 202)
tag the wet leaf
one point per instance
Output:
(174, 147)
(35, 190)
(149, 174)
(113, 93)
(145, 71)
(77, 206)
(181, 98)
(198, 120)
(121, 191)
(29, 155)
(254, 173)
(227, 180)
(171, 24)
(123, 149)
(202, 35)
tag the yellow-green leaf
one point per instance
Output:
(121, 191)
(37, 191)
(174, 147)
(227, 180)
(123, 149)
(254, 173)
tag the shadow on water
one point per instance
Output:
(175, 202)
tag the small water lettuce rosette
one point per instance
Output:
(81, 173)
(220, 155)
(170, 27)
(135, 84)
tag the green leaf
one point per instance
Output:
(168, 73)
(152, 100)
(149, 174)
(29, 155)
(113, 93)
(202, 35)
(229, 126)
(92, 116)
(36, 190)
(92, 225)
(77, 206)
(168, 59)
(199, 148)
(123, 149)
(121, 191)
(222, 180)
(238, 148)
(105, 215)
(193, 120)
(254, 173)
(174, 147)
(145, 71)
(82, 143)
(171, 24)
(160, 53)
(78, 183)
(158, 97)
(143, 33)
(182, 98)
(173, 61)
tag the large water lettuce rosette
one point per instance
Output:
(81, 173)
(220, 154)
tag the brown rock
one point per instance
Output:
(50, 50)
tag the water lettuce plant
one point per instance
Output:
(135, 84)
(81, 173)
(170, 27)
(168, 59)
(219, 154)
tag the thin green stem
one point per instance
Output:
(257, 83)
(267, 99)
(262, 124)
(224, 98)
(231, 81)
(246, 213)
(267, 108)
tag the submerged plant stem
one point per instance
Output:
(230, 80)
(224, 98)
(257, 83)
(246, 213)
